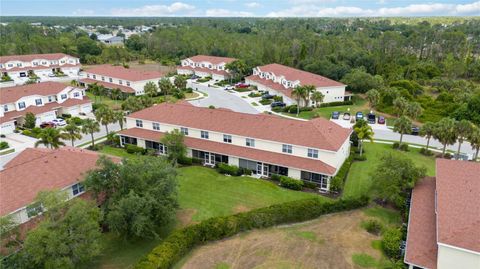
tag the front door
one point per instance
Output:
(209, 158)
(262, 169)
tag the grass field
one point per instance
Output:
(113, 104)
(359, 177)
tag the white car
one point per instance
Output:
(51, 75)
(59, 122)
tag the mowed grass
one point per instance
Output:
(359, 179)
(113, 104)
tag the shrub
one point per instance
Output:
(96, 147)
(404, 147)
(275, 177)
(373, 226)
(254, 94)
(28, 133)
(396, 145)
(211, 106)
(184, 160)
(4, 145)
(426, 152)
(197, 161)
(310, 185)
(265, 101)
(340, 103)
(278, 109)
(391, 243)
(306, 108)
(76, 120)
(448, 155)
(290, 183)
(133, 149)
(180, 242)
(278, 98)
(232, 170)
(336, 184)
(188, 90)
(66, 115)
(291, 109)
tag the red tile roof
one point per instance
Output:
(108, 85)
(421, 238)
(458, 204)
(35, 169)
(305, 78)
(311, 165)
(31, 57)
(9, 116)
(270, 84)
(204, 69)
(12, 94)
(317, 133)
(120, 72)
(211, 59)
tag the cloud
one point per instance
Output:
(220, 12)
(252, 5)
(83, 12)
(174, 9)
(351, 11)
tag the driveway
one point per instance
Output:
(220, 98)
(18, 142)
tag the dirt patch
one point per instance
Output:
(240, 209)
(327, 242)
(184, 217)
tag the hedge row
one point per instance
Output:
(180, 242)
(338, 181)
(232, 170)
(339, 103)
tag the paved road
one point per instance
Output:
(220, 98)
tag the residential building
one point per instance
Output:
(110, 39)
(266, 144)
(206, 66)
(127, 80)
(41, 65)
(281, 80)
(41, 169)
(444, 219)
(46, 100)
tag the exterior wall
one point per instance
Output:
(184, 71)
(233, 161)
(449, 257)
(294, 173)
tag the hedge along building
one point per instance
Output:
(308, 150)
(281, 80)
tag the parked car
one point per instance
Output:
(346, 116)
(359, 116)
(51, 75)
(371, 118)
(194, 77)
(59, 122)
(381, 120)
(47, 125)
(267, 96)
(335, 115)
(415, 130)
(277, 104)
(229, 88)
(242, 85)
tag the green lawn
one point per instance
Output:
(113, 104)
(326, 112)
(359, 177)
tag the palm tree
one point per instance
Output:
(427, 130)
(165, 86)
(373, 97)
(150, 89)
(363, 132)
(463, 129)
(400, 105)
(402, 125)
(317, 97)
(414, 110)
(72, 132)
(90, 127)
(180, 82)
(445, 133)
(104, 115)
(119, 117)
(115, 94)
(299, 93)
(474, 139)
(50, 137)
(309, 89)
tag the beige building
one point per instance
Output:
(206, 66)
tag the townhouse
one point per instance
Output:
(281, 80)
(41, 169)
(46, 100)
(206, 66)
(41, 65)
(444, 219)
(127, 80)
(266, 144)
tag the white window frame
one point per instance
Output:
(204, 135)
(227, 139)
(156, 126)
(139, 123)
(312, 153)
(184, 130)
(250, 142)
(287, 148)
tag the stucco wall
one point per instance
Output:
(449, 257)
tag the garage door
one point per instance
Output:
(46, 117)
(74, 111)
(87, 108)
(7, 128)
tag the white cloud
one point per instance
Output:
(252, 5)
(351, 11)
(83, 12)
(219, 12)
(174, 9)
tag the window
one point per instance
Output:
(50, 98)
(184, 130)
(78, 189)
(94, 76)
(128, 140)
(38, 102)
(313, 153)
(156, 126)
(88, 75)
(63, 96)
(5, 108)
(76, 94)
(139, 123)
(158, 147)
(227, 138)
(120, 82)
(103, 78)
(21, 105)
(287, 148)
(34, 209)
(110, 79)
(34, 64)
(204, 134)
(250, 142)
(128, 83)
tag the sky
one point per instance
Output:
(240, 8)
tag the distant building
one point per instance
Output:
(127, 80)
(206, 66)
(110, 39)
(281, 80)
(444, 219)
(45, 100)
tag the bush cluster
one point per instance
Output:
(265, 101)
(373, 226)
(310, 185)
(340, 103)
(4, 145)
(290, 183)
(184, 160)
(391, 243)
(180, 242)
(403, 147)
(232, 170)
(336, 184)
(133, 149)
(426, 152)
